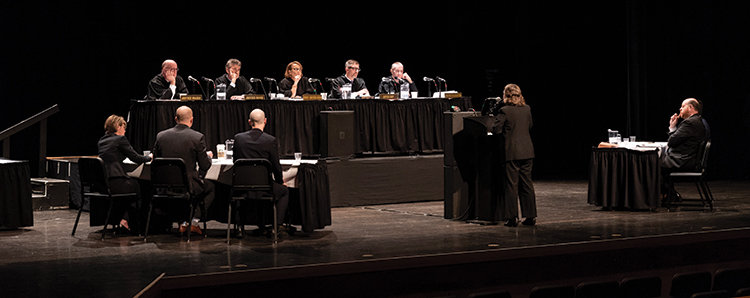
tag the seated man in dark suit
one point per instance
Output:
(237, 85)
(167, 84)
(257, 144)
(684, 139)
(183, 142)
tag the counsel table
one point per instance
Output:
(380, 125)
(309, 178)
(625, 178)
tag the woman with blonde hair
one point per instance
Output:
(294, 84)
(113, 149)
(514, 122)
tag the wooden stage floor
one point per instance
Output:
(45, 261)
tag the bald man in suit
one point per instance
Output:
(255, 143)
(183, 142)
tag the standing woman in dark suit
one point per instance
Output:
(514, 122)
(113, 149)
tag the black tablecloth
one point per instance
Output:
(381, 126)
(622, 178)
(15, 195)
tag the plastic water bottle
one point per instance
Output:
(221, 92)
(346, 91)
(404, 90)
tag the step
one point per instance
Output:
(50, 194)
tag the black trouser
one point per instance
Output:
(281, 194)
(518, 186)
(120, 185)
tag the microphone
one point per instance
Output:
(191, 78)
(313, 80)
(426, 79)
(254, 80)
(440, 79)
(330, 79)
(205, 79)
(386, 79)
(269, 79)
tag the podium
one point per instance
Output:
(473, 169)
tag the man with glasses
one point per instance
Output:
(392, 84)
(237, 85)
(350, 77)
(167, 84)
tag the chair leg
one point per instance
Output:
(148, 220)
(707, 192)
(275, 225)
(75, 226)
(190, 220)
(670, 194)
(229, 218)
(700, 193)
(106, 221)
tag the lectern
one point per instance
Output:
(473, 169)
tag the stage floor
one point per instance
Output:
(45, 261)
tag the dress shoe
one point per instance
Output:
(240, 232)
(529, 221)
(193, 229)
(511, 222)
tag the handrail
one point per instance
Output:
(41, 118)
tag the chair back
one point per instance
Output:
(704, 156)
(170, 174)
(91, 173)
(639, 287)
(686, 284)
(252, 174)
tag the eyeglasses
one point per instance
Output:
(355, 69)
(172, 69)
(295, 69)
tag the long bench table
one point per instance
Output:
(380, 126)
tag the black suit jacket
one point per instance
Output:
(158, 88)
(514, 122)
(113, 149)
(682, 145)
(183, 142)
(257, 144)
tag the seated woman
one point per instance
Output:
(113, 148)
(294, 85)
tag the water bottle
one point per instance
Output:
(221, 92)
(229, 148)
(346, 91)
(404, 90)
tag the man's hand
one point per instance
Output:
(673, 121)
(171, 77)
(408, 78)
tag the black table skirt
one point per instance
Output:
(15, 195)
(381, 126)
(622, 178)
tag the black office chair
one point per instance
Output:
(169, 180)
(252, 174)
(92, 175)
(492, 294)
(731, 280)
(712, 294)
(598, 289)
(552, 291)
(640, 287)
(698, 176)
(686, 284)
